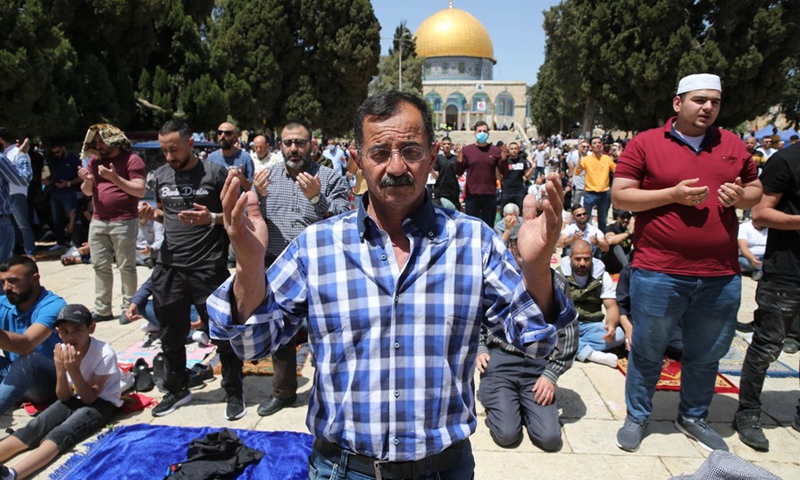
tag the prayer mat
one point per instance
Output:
(671, 377)
(145, 451)
(731, 364)
(195, 353)
(264, 366)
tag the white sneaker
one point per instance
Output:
(148, 327)
(604, 358)
(201, 337)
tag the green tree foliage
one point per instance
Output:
(295, 59)
(623, 58)
(790, 100)
(550, 111)
(388, 78)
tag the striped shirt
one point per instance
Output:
(394, 347)
(288, 212)
(18, 173)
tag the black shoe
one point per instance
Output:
(236, 407)
(273, 405)
(124, 319)
(171, 402)
(790, 347)
(158, 368)
(195, 380)
(150, 263)
(7, 473)
(748, 424)
(143, 375)
(96, 317)
(203, 371)
(744, 327)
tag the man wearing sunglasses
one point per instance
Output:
(292, 195)
(231, 156)
(395, 294)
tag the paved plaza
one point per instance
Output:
(590, 396)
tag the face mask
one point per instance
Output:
(482, 137)
(332, 147)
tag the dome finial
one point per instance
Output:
(451, 3)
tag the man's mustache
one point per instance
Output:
(396, 180)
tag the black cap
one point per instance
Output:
(75, 313)
(621, 213)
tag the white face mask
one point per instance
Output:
(332, 147)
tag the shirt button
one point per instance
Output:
(396, 298)
(396, 345)
(396, 394)
(397, 441)
(383, 257)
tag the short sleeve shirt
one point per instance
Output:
(782, 175)
(480, 164)
(44, 312)
(111, 203)
(698, 240)
(185, 246)
(240, 160)
(101, 361)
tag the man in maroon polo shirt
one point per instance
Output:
(114, 178)
(685, 179)
(481, 160)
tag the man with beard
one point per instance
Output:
(581, 229)
(231, 156)
(63, 196)
(27, 316)
(114, 178)
(394, 295)
(292, 196)
(191, 263)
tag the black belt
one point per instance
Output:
(442, 461)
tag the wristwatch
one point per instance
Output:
(314, 200)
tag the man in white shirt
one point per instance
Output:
(578, 181)
(752, 241)
(581, 229)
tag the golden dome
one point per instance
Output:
(453, 33)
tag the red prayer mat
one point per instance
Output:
(671, 377)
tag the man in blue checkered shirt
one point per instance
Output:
(395, 294)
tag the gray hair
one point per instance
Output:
(511, 208)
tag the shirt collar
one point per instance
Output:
(712, 134)
(424, 218)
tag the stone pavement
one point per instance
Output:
(591, 399)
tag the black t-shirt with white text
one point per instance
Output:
(514, 182)
(781, 175)
(191, 247)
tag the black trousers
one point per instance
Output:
(778, 302)
(483, 207)
(506, 394)
(174, 291)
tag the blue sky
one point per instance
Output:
(514, 25)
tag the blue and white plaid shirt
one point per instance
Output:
(394, 348)
(13, 172)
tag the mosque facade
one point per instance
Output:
(458, 74)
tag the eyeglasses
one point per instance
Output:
(300, 142)
(225, 132)
(580, 214)
(411, 153)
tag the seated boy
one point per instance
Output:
(88, 389)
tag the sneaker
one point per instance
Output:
(630, 436)
(171, 402)
(790, 347)
(236, 407)
(748, 424)
(99, 317)
(7, 473)
(701, 432)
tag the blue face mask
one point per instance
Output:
(482, 137)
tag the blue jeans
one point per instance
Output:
(601, 200)
(6, 238)
(321, 468)
(19, 203)
(590, 338)
(62, 203)
(745, 264)
(708, 308)
(30, 377)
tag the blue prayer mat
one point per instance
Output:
(146, 451)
